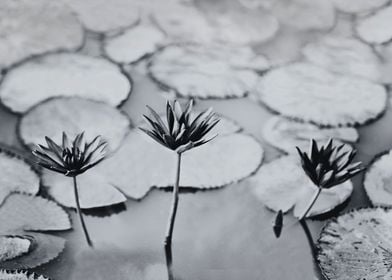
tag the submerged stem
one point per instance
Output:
(89, 242)
(311, 204)
(172, 218)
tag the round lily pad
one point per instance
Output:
(357, 245)
(286, 134)
(20, 275)
(134, 43)
(105, 16)
(13, 246)
(375, 29)
(30, 28)
(73, 115)
(17, 175)
(359, 6)
(345, 56)
(63, 74)
(140, 164)
(32, 213)
(378, 179)
(310, 93)
(43, 249)
(207, 72)
(294, 190)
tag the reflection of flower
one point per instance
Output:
(180, 132)
(328, 165)
(71, 159)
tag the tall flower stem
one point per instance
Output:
(89, 242)
(172, 218)
(312, 202)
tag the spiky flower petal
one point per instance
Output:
(71, 158)
(181, 130)
(329, 165)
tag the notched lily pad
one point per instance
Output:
(307, 92)
(134, 43)
(30, 28)
(20, 275)
(359, 6)
(17, 175)
(286, 134)
(13, 246)
(357, 245)
(63, 74)
(207, 72)
(32, 213)
(378, 180)
(294, 190)
(74, 115)
(376, 28)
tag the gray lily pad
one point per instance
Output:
(375, 29)
(359, 6)
(63, 74)
(20, 275)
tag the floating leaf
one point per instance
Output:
(73, 115)
(378, 179)
(309, 93)
(357, 245)
(286, 134)
(134, 43)
(375, 29)
(292, 189)
(207, 72)
(345, 56)
(13, 246)
(32, 213)
(359, 6)
(20, 275)
(63, 74)
(30, 28)
(17, 175)
(140, 164)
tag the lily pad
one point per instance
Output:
(294, 190)
(32, 213)
(73, 115)
(359, 6)
(375, 29)
(31, 28)
(357, 245)
(345, 56)
(134, 43)
(17, 175)
(207, 72)
(378, 180)
(20, 275)
(13, 246)
(307, 92)
(286, 134)
(140, 164)
(63, 74)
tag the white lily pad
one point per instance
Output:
(359, 6)
(17, 175)
(286, 134)
(105, 16)
(13, 246)
(32, 213)
(20, 275)
(306, 14)
(294, 190)
(207, 72)
(134, 43)
(307, 92)
(73, 115)
(378, 180)
(345, 56)
(376, 28)
(44, 248)
(357, 245)
(30, 28)
(63, 74)
(140, 164)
